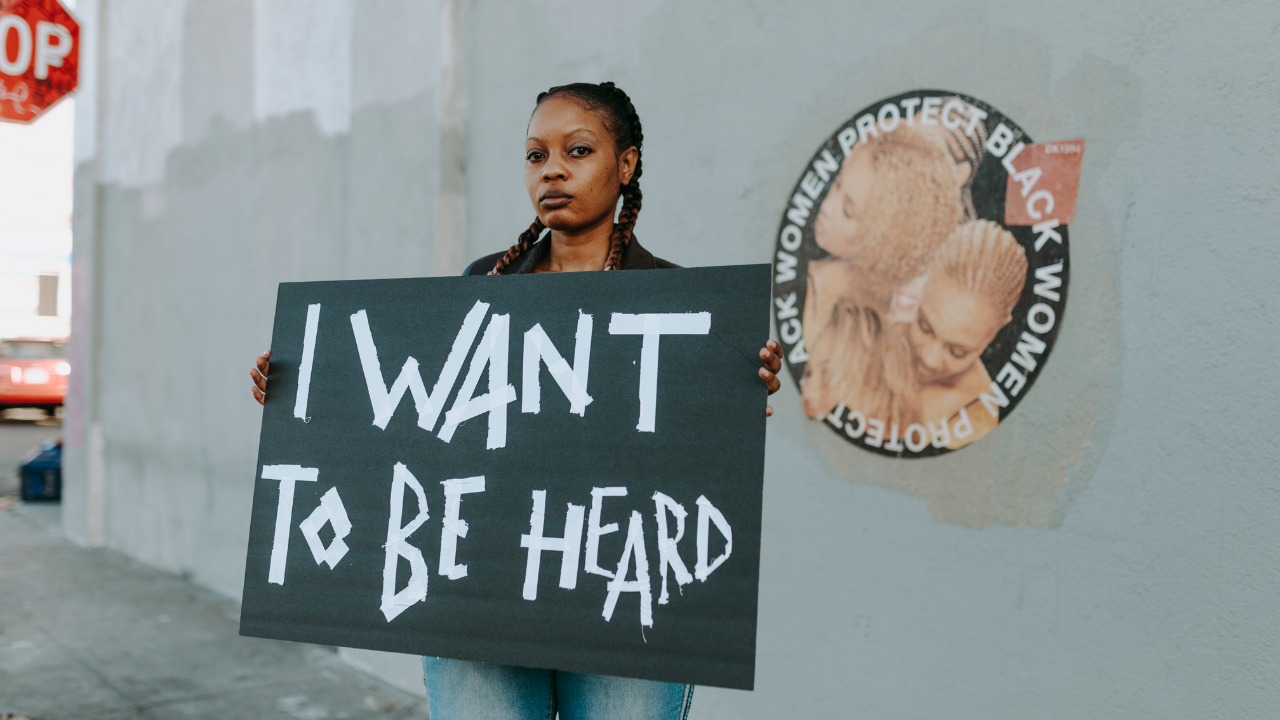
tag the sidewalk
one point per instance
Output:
(88, 633)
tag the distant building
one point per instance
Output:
(35, 226)
(35, 298)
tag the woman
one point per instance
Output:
(973, 286)
(897, 196)
(582, 152)
(971, 289)
(893, 202)
(862, 363)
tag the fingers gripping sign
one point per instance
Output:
(258, 373)
(771, 356)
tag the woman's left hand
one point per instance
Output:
(771, 355)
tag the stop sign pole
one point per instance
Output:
(39, 57)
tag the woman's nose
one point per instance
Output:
(931, 358)
(823, 211)
(553, 168)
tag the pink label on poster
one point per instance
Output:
(1043, 182)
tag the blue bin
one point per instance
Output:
(40, 477)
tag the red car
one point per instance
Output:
(33, 374)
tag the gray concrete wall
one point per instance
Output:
(1107, 552)
(223, 148)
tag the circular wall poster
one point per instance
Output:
(921, 270)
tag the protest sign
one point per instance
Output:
(559, 471)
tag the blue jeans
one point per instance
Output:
(465, 690)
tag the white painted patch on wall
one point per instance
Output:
(302, 61)
(140, 104)
(397, 49)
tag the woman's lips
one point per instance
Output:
(555, 199)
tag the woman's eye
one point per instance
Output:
(533, 156)
(579, 151)
(847, 207)
(958, 353)
(925, 327)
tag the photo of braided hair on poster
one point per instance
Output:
(921, 272)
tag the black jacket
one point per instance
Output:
(634, 257)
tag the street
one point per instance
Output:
(143, 643)
(89, 633)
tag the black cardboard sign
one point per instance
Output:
(559, 471)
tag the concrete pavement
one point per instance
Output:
(87, 633)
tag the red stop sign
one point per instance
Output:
(39, 57)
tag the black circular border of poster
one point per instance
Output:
(796, 248)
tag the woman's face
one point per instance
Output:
(572, 170)
(837, 227)
(952, 328)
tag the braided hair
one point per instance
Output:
(985, 259)
(967, 151)
(910, 212)
(619, 117)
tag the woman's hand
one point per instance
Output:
(259, 375)
(771, 355)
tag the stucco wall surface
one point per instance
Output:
(1106, 552)
(224, 148)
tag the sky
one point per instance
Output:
(36, 169)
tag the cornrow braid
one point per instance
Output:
(523, 243)
(618, 115)
(985, 259)
(620, 239)
(967, 151)
(911, 210)
(630, 134)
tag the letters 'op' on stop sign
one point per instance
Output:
(39, 57)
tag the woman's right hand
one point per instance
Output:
(259, 375)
